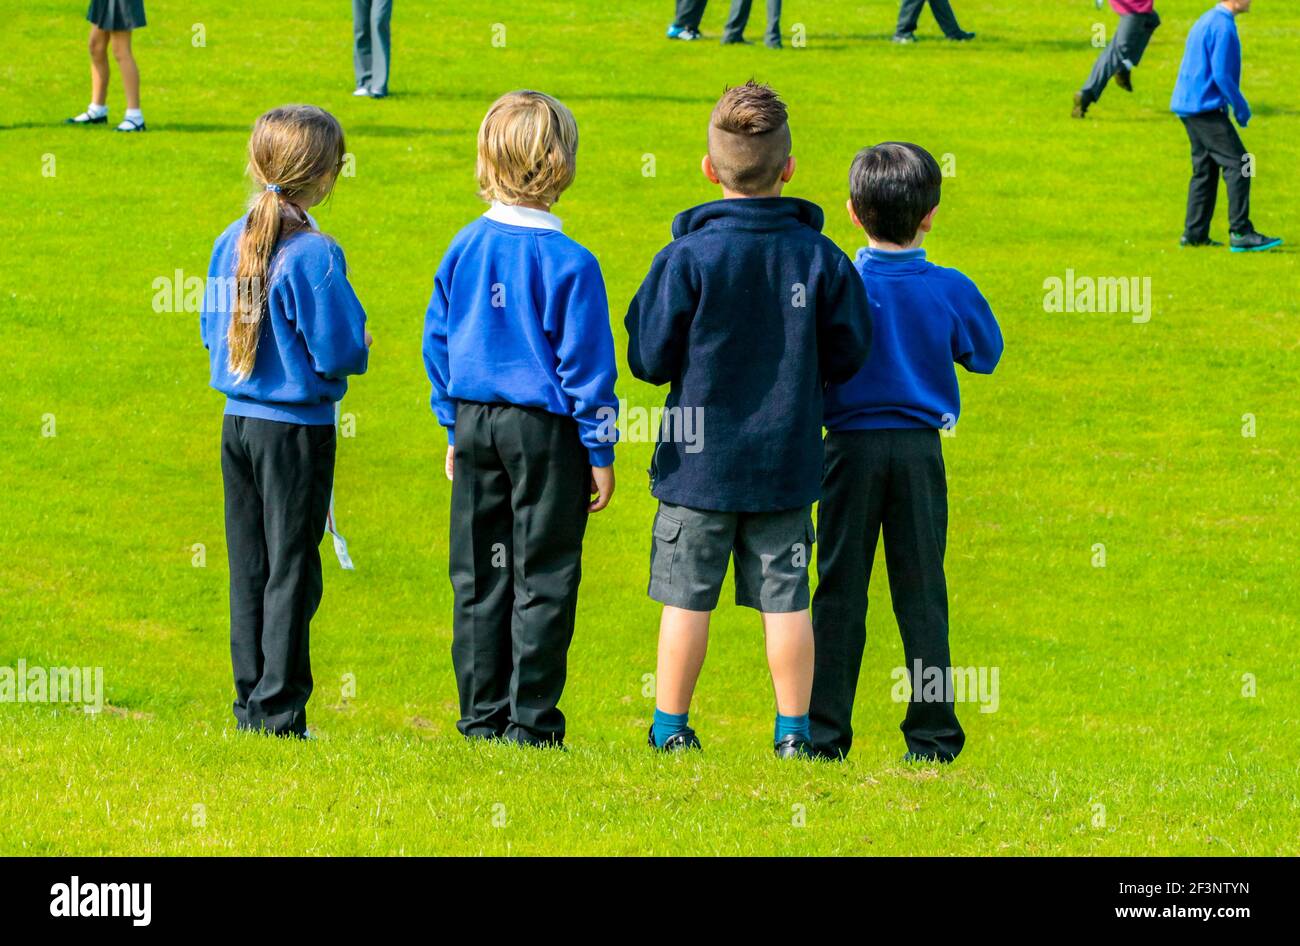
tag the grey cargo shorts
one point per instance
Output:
(692, 547)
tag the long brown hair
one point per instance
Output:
(295, 152)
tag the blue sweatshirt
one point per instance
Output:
(313, 332)
(747, 314)
(924, 318)
(1209, 79)
(519, 316)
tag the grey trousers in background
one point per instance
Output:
(690, 12)
(1123, 52)
(734, 31)
(372, 39)
(909, 13)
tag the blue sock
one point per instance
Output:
(668, 724)
(792, 725)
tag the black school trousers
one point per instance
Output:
(891, 481)
(1216, 148)
(519, 497)
(277, 479)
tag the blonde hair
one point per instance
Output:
(527, 149)
(295, 152)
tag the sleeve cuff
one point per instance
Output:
(601, 456)
(451, 436)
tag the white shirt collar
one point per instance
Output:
(516, 216)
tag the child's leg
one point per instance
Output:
(734, 29)
(98, 66)
(482, 528)
(361, 43)
(848, 526)
(916, 528)
(381, 15)
(550, 476)
(683, 643)
(246, 550)
(789, 638)
(909, 14)
(293, 467)
(126, 65)
(772, 36)
(688, 564)
(944, 16)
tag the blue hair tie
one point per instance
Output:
(273, 188)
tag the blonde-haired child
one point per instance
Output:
(283, 329)
(518, 347)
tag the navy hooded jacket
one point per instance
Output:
(747, 315)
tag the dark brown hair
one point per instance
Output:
(893, 186)
(749, 138)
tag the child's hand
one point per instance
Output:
(451, 461)
(370, 339)
(602, 487)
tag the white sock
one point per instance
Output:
(96, 111)
(134, 115)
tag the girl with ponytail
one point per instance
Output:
(284, 330)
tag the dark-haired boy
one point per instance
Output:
(884, 463)
(747, 314)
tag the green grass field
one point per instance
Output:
(1124, 723)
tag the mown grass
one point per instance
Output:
(1121, 686)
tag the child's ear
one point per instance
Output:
(707, 167)
(789, 170)
(853, 214)
(928, 221)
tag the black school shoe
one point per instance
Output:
(1184, 242)
(961, 37)
(1124, 79)
(793, 746)
(85, 119)
(1253, 242)
(677, 742)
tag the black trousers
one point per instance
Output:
(519, 501)
(909, 14)
(277, 479)
(892, 480)
(1216, 147)
(1123, 52)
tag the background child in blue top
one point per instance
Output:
(283, 329)
(518, 346)
(884, 463)
(1209, 82)
(746, 314)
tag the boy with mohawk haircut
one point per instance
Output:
(746, 315)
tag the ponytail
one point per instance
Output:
(293, 150)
